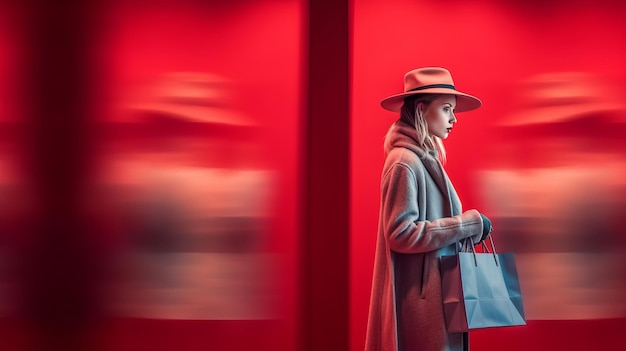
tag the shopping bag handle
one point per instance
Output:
(468, 242)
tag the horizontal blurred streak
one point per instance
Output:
(194, 196)
(192, 96)
(557, 192)
(562, 97)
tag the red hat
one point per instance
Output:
(430, 80)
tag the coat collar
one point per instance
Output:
(401, 134)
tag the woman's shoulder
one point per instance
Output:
(400, 156)
(404, 153)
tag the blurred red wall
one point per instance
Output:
(68, 78)
(261, 46)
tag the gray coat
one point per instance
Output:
(420, 220)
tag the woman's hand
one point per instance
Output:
(487, 228)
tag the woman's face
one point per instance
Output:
(440, 115)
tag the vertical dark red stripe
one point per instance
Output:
(55, 262)
(326, 173)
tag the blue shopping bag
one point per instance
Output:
(480, 290)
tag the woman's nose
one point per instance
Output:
(453, 119)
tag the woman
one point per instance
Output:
(420, 218)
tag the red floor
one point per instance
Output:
(166, 335)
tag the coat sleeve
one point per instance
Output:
(404, 231)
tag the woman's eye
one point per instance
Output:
(446, 109)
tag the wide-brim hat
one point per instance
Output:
(430, 80)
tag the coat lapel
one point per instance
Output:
(404, 135)
(433, 167)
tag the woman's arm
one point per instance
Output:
(400, 217)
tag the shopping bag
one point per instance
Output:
(480, 290)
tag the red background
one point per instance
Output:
(292, 62)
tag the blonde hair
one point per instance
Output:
(411, 115)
